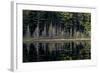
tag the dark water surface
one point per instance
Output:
(56, 51)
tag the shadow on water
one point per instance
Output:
(69, 50)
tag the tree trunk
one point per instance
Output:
(28, 32)
(38, 25)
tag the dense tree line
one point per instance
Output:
(56, 24)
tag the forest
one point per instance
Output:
(48, 24)
(56, 36)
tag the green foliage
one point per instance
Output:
(72, 22)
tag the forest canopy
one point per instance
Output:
(50, 23)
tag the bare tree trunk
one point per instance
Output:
(71, 32)
(28, 32)
(38, 25)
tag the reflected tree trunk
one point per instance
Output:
(37, 50)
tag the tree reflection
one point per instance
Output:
(70, 50)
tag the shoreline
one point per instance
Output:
(54, 40)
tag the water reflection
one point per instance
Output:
(56, 51)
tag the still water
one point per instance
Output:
(56, 51)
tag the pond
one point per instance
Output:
(56, 51)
